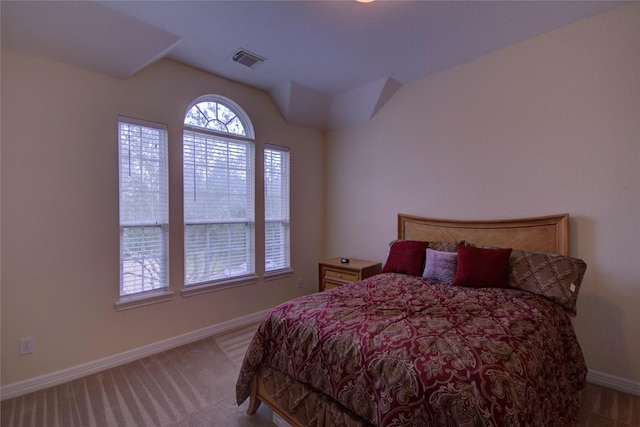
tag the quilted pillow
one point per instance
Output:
(482, 267)
(450, 246)
(440, 265)
(552, 276)
(406, 257)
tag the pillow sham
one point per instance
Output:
(552, 276)
(440, 265)
(406, 257)
(450, 246)
(482, 267)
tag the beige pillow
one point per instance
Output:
(451, 246)
(555, 277)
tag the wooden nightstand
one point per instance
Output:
(333, 273)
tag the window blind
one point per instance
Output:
(218, 207)
(143, 206)
(276, 199)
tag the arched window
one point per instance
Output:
(219, 114)
(219, 197)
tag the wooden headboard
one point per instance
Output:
(541, 234)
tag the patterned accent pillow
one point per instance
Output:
(552, 276)
(440, 265)
(482, 267)
(451, 246)
(406, 257)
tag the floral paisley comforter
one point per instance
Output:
(399, 350)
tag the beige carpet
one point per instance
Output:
(235, 343)
(190, 386)
(194, 386)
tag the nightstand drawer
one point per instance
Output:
(349, 276)
(327, 284)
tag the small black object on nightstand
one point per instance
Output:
(344, 260)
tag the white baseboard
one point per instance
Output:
(616, 383)
(60, 377)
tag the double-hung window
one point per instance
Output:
(144, 210)
(276, 208)
(218, 179)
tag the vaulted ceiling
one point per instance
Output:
(327, 64)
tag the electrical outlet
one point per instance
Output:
(299, 283)
(26, 346)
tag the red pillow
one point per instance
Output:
(406, 257)
(482, 267)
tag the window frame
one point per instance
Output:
(161, 220)
(191, 287)
(285, 212)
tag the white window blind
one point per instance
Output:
(219, 196)
(144, 210)
(276, 207)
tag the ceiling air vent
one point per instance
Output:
(247, 58)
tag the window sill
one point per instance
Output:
(277, 274)
(136, 301)
(218, 286)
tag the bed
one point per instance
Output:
(447, 334)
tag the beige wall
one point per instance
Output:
(546, 126)
(60, 211)
(549, 125)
